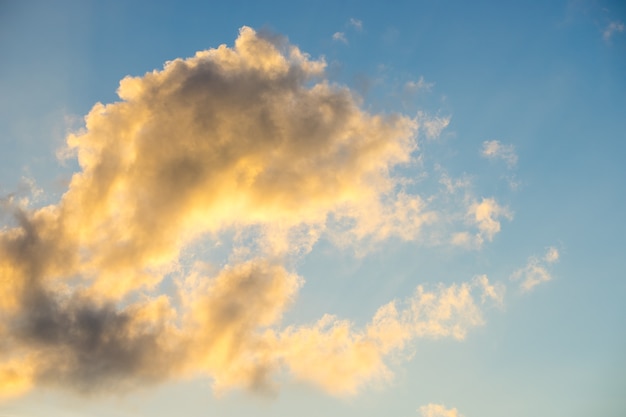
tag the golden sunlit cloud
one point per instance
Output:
(438, 410)
(251, 140)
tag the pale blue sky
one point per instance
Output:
(544, 80)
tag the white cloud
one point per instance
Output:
(356, 23)
(611, 29)
(454, 185)
(340, 37)
(493, 149)
(351, 24)
(432, 126)
(419, 85)
(513, 182)
(438, 410)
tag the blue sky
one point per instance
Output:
(357, 209)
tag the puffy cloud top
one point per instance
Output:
(250, 137)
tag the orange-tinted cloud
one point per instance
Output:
(438, 410)
(249, 139)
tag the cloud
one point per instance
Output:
(552, 255)
(351, 24)
(356, 23)
(341, 359)
(15, 378)
(249, 141)
(438, 410)
(485, 216)
(493, 149)
(611, 29)
(536, 270)
(465, 239)
(225, 317)
(432, 126)
(452, 186)
(419, 85)
(340, 37)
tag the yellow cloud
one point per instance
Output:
(485, 215)
(15, 378)
(438, 410)
(536, 270)
(341, 359)
(250, 140)
(232, 137)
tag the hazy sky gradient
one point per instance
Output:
(317, 208)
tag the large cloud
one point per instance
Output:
(249, 139)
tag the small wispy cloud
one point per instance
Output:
(466, 240)
(340, 37)
(536, 270)
(494, 149)
(454, 185)
(483, 216)
(611, 29)
(438, 410)
(419, 85)
(552, 255)
(432, 126)
(351, 25)
(356, 23)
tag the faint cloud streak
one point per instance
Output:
(611, 29)
(356, 23)
(438, 410)
(494, 149)
(340, 37)
(417, 86)
(432, 126)
(536, 270)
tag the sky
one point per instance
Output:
(312, 208)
